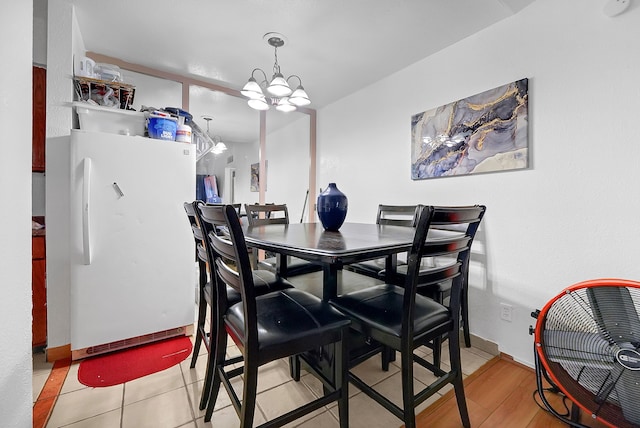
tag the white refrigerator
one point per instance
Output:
(131, 249)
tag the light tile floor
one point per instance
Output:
(170, 398)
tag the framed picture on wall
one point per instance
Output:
(482, 133)
(255, 177)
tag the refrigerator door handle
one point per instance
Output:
(86, 197)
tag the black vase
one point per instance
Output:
(332, 207)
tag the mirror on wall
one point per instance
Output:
(287, 148)
(237, 127)
(152, 91)
(288, 143)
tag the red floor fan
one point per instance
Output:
(587, 347)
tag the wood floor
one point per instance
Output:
(499, 394)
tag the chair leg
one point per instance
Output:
(408, 398)
(211, 358)
(437, 351)
(454, 352)
(465, 318)
(437, 343)
(249, 394)
(294, 367)
(388, 355)
(202, 314)
(208, 377)
(342, 380)
(196, 347)
(218, 365)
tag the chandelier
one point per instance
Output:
(278, 91)
(218, 146)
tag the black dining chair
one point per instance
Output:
(399, 318)
(269, 327)
(265, 214)
(394, 215)
(441, 291)
(203, 281)
(263, 280)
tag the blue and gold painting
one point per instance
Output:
(482, 133)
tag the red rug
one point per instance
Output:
(129, 364)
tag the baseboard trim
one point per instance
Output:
(64, 351)
(482, 344)
(59, 353)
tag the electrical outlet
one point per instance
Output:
(506, 312)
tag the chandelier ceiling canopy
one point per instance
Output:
(278, 91)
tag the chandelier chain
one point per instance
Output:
(276, 66)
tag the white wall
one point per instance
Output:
(64, 41)
(15, 230)
(571, 215)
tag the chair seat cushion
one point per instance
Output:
(263, 280)
(289, 322)
(371, 268)
(427, 266)
(381, 308)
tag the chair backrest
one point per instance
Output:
(450, 232)
(231, 263)
(198, 236)
(191, 215)
(399, 215)
(259, 215)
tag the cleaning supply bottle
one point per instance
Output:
(183, 132)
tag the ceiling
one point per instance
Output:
(337, 47)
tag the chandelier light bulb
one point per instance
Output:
(299, 97)
(285, 105)
(279, 86)
(252, 89)
(258, 103)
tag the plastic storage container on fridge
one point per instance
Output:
(110, 120)
(162, 128)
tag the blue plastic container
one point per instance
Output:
(162, 128)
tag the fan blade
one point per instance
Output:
(579, 347)
(615, 313)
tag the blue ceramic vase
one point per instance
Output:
(332, 207)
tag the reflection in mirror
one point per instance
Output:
(154, 91)
(289, 141)
(287, 153)
(238, 128)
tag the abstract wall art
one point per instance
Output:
(481, 133)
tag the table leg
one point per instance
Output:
(281, 265)
(391, 263)
(329, 281)
(391, 268)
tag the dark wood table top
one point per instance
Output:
(353, 242)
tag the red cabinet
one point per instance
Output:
(39, 121)
(39, 291)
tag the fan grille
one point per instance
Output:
(588, 342)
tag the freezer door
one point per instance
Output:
(132, 263)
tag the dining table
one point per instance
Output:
(353, 242)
